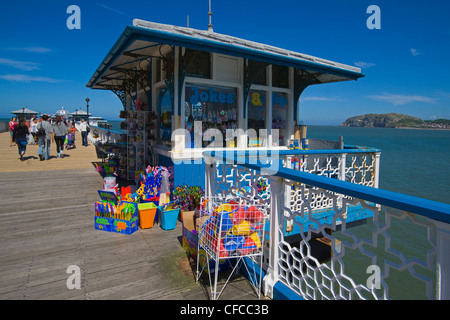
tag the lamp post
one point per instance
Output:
(87, 109)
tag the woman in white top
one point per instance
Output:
(84, 133)
(33, 129)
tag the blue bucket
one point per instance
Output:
(168, 219)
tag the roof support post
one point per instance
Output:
(169, 68)
(177, 89)
(276, 220)
(185, 59)
(251, 72)
(121, 94)
(119, 91)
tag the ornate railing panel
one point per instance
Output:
(330, 238)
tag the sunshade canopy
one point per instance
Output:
(25, 111)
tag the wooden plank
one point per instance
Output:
(47, 224)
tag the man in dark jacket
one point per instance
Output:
(20, 134)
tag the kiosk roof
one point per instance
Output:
(143, 40)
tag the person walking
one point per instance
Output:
(20, 134)
(44, 134)
(11, 126)
(84, 132)
(33, 128)
(59, 132)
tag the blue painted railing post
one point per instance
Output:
(276, 210)
(443, 261)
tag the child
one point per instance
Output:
(12, 125)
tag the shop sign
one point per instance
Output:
(210, 95)
(279, 99)
(258, 99)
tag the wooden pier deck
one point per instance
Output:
(46, 225)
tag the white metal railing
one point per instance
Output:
(97, 135)
(107, 142)
(381, 245)
(358, 166)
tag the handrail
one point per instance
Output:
(269, 152)
(423, 207)
(105, 129)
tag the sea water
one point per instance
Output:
(413, 162)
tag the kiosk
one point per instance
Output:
(196, 89)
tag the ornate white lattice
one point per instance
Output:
(360, 169)
(239, 181)
(406, 269)
(355, 251)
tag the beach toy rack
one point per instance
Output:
(230, 228)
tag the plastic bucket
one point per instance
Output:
(156, 203)
(109, 182)
(147, 212)
(168, 219)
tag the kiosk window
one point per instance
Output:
(280, 76)
(216, 108)
(257, 107)
(165, 116)
(257, 72)
(198, 63)
(279, 118)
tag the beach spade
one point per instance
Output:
(232, 242)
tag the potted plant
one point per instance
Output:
(188, 197)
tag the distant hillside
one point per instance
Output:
(394, 120)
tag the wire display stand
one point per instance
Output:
(230, 229)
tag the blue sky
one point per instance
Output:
(44, 65)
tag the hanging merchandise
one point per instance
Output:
(109, 183)
(136, 141)
(151, 182)
(164, 195)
